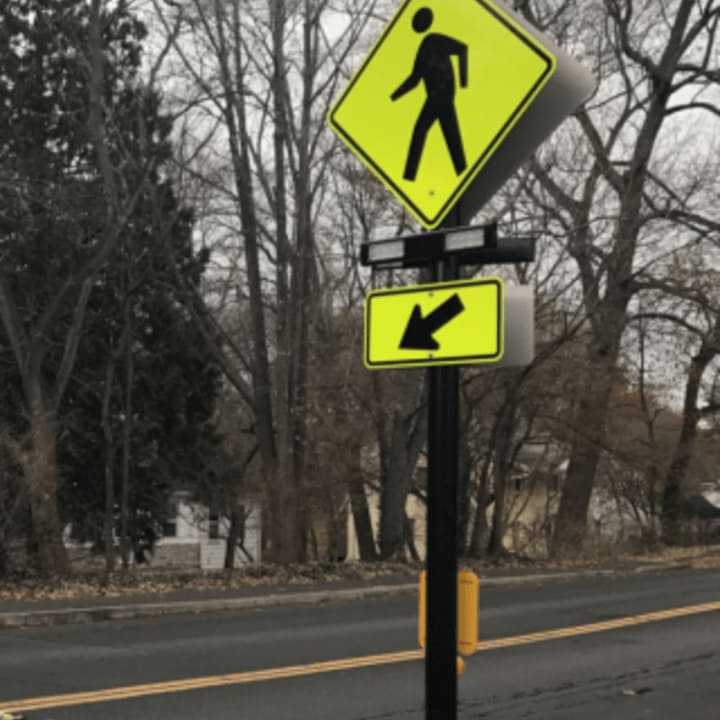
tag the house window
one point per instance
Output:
(213, 525)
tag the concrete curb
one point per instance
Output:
(71, 616)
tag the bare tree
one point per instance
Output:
(264, 74)
(687, 303)
(616, 193)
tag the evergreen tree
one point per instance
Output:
(171, 394)
(82, 201)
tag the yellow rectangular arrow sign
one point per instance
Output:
(451, 323)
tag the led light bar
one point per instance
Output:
(474, 245)
(385, 251)
(464, 240)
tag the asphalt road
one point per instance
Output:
(662, 666)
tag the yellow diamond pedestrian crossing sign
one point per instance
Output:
(450, 323)
(437, 96)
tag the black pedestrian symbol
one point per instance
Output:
(433, 66)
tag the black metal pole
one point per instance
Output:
(442, 479)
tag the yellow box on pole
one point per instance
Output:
(467, 622)
(467, 611)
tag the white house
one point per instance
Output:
(195, 536)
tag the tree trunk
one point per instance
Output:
(40, 471)
(410, 539)
(407, 440)
(590, 426)
(463, 495)
(313, 542)
(287, 547)
(361, 517)
(280, 478)
(108, 519)
(125, 541)
(300, 310)
(235, 115)
(393, 495)
(652, 470)
(4, 557)
(497, 532)
(479, 540)
(236, 535)
(683, 450)
(501, 468)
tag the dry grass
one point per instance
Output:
(699, 557)
(158, 582)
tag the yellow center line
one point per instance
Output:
(289, 671)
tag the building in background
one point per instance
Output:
(195, 535)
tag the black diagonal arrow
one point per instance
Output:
(418, 334)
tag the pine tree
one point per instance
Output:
(82, 148)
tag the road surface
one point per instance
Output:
(642, 646)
